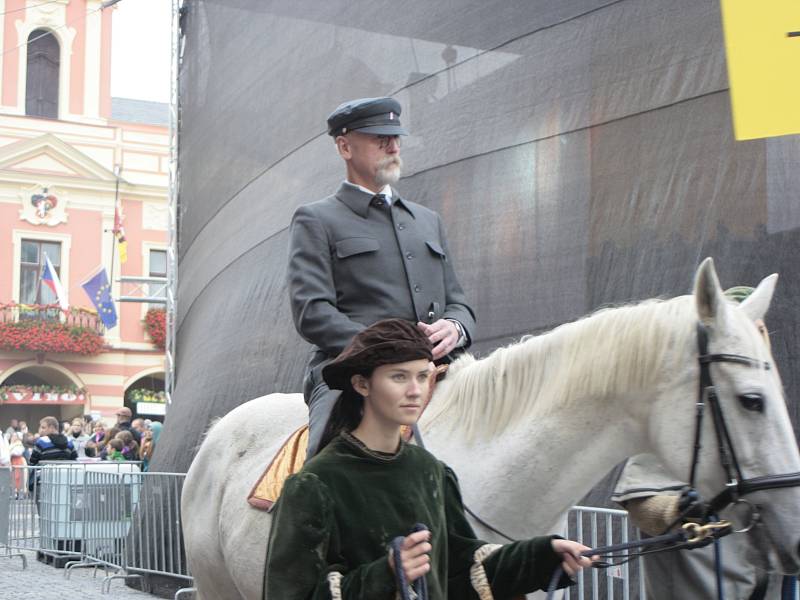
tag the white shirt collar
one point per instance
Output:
(386, 191)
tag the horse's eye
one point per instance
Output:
(753, 402)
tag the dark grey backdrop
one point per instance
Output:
(580, 153)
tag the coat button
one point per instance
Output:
(401, 226)
(409, 256)
(417, 288)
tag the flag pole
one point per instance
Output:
(114, 233)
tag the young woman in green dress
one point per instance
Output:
(336, 518)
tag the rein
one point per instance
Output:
(737, 485)
(692, 534)
(417, 590)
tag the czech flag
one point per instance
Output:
(50, 278)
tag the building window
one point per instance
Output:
(31, 290)
(158, 268)
(41, 89)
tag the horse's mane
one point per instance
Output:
(612, 350)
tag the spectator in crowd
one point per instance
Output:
(5, 454)
(139, 426)
(130, 449)
(51, 445)
(114, 448)
(98, 433)
(77, 436)
(28, 441)
(124, 416)
(149, 442)
(65, 425)
(13, 427)
(110, 435)
(23, 427)
(18, 464)
(91, 452)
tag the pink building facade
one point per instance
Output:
(68, 157)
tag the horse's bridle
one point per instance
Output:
(737, 486)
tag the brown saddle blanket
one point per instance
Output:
(287, 461)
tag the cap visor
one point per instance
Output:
(382, 130)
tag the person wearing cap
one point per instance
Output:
(124, 416)
(366, 253)
(335, 518)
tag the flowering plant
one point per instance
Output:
(55, 390)
(143, 395)
(50, 336)
(155, 324)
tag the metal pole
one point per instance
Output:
(174, 186)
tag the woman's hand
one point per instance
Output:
(571, 559)
(414, 555)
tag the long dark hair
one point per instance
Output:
(346, 414)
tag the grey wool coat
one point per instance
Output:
(352, 263)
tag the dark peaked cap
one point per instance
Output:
(376, 116)
(386, 342)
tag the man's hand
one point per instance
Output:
(414, 555)
(571, 559)
(443, 334)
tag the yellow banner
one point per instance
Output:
(762, 41)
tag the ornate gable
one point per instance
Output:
(47, 155)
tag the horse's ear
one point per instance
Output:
(708, 295)
(757, 304)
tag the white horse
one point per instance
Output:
(532, 427)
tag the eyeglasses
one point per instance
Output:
(384, 141)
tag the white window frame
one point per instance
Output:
(65, 239)
(146, 248)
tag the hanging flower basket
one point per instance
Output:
(150, 396)
(155, 324)
(50, 336)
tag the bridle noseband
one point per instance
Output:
(736, 486)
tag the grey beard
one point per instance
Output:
(388, 172)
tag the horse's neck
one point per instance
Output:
(525, 477)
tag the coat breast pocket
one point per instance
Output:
(436, 250)
(354, 246)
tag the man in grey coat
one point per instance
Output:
(366, 254)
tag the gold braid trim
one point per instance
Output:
(477, 575)
(335, 585)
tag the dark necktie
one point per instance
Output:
(379, 201)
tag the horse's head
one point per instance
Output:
(745, 405)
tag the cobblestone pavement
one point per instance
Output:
(44, 582)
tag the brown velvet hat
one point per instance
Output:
(386, 342)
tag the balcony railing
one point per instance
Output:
(74, 317)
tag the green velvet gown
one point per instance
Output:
(342, 510)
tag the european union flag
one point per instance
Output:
(99, 292)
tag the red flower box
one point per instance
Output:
(49, 336)
(155, 324)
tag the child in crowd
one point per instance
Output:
(115, 447)
(130, 449)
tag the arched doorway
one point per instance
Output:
(33, 391)
(144, 395)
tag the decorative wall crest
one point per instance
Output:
(43, 205)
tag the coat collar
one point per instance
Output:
(359, 201)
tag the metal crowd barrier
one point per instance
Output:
(596, 527)
(102, 515)
(110, 516)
